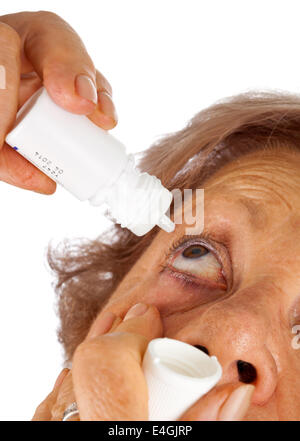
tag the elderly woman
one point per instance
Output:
(231, 290)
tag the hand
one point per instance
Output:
(41, 48)
(107, 380)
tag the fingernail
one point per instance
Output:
(86, 88)
(237, 404)
(61, 378)
(107, 106)
(136, 310)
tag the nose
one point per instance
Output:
(238, 335)
(246, 371)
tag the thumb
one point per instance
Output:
(226, 402)
(142, 319)
(109, 383)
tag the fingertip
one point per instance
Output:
(105, 114)
(153, 310)
(207, 408)
(143, 319)
(41, 183)
(136, 310)
(107, 107)
(48, 188)
(61, 378)
(102, 324)
(237, 404)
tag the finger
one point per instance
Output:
(97, 331)
(17, 171)
(102, 324)
(228, 402)
(30, 83)
(237, 404)
(60, 59)
(115, 325)
(64, 398)
(43, 411)
(10, 66)
(142, 319)
(109, 383)
(105, 114)
(103, 84)
(136, 321)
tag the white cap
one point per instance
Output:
(177, 375)
(137, 201)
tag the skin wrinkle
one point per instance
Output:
(267, 190)
(250, 322)
(257, 214)
(258, 171)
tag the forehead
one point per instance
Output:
(266, 169)
(258, 184)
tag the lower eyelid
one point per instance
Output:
(209, 267)
(197, 282)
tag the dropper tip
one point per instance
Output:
(166, 224)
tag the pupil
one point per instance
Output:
(193, 252)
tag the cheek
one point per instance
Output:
(171, 294)
(167, 296)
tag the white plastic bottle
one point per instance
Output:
(177, 375)
(90, 163)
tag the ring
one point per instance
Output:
(70, 411)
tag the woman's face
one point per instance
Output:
(235, 287)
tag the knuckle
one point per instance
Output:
(46, 15)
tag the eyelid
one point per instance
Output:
(218, 249)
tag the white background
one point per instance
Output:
(166, 60)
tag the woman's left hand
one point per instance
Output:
(107, 380)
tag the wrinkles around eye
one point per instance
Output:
(212, 267)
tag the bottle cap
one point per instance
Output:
(177, 375)
(137, 201)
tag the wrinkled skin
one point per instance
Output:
(254, 320)
(241, 305)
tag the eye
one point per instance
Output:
(195, 251)
(198, 261)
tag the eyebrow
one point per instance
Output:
(257, 214)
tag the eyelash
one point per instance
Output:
(184, 242)
(188, 240)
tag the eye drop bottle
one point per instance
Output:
(90, 163)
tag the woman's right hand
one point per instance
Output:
(41, 48)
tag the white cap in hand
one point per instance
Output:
(177, 375)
